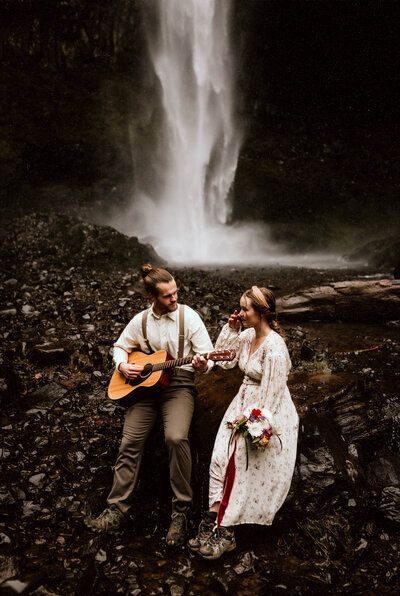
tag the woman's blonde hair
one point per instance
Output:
(263, 302)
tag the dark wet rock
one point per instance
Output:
(51, 353)
(306, 352)
(6, 497)
(63, 239)
(360, 300)
(37, 479)
(245, 563)
(46, 396)
(317, 471)
(390, 503)
(8, 312)
(29, 311)
(223, 582)
(175, 587)
(92, 580)
(42, 591)
(4, 539)
(21, 585)
(10, 386)
(383, 471)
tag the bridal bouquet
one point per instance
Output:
(256, 425)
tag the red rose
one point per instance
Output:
(256, 412)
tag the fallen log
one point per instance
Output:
(356, 300)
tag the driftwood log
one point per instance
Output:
(357, 300)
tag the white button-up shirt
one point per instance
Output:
(163, 334)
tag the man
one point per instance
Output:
(158, 328)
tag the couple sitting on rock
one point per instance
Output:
(246, 485)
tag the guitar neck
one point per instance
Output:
(176, 362)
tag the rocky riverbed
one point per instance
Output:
(67, 290)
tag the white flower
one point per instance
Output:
(255, 429)
(268, 415)
(247, 411)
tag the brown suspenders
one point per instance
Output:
(144, 330)
(181, 330)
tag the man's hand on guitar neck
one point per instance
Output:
(130, 371)
(199, 363)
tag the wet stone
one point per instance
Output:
(390, 503)
(46, 396)
(318, 469)
(4, 539)
(8, 312)
(51, 353)
(245, 563)
(37, 479)
(14, 586)
(384, 471)
(28, 310)
(23, 585)
(307, 352)
(6, 498)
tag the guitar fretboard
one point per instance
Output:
(173, 363)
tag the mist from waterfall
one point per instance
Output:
(185, 211)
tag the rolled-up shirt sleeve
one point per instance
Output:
(126, 343)
(199, 338)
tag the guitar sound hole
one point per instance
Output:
(146, 372)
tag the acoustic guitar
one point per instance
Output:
(156, 375)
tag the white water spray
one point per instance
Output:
(192, 60)
(186, 214)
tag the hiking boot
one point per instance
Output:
(221, 541)
(204, 532)
(177, 529)
(108, 521)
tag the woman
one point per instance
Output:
(262, 478)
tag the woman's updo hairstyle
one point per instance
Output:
(152, 276)
(263, 302)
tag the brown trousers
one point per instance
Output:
(176, 404)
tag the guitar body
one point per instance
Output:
(125, 393)
(155, 376)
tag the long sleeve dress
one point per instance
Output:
(259, 491)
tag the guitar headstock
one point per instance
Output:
(220, 355)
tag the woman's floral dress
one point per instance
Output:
(259, 491)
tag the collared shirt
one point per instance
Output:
(163, 334)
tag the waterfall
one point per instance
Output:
(191, 56)
(182, 201)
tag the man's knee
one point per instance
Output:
(174, 439)
(130, 443)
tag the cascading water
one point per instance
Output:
(192, 60)
(185, 210)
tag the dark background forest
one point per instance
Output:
(317, 100)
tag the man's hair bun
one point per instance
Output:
(145, 269)
(152, 276)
